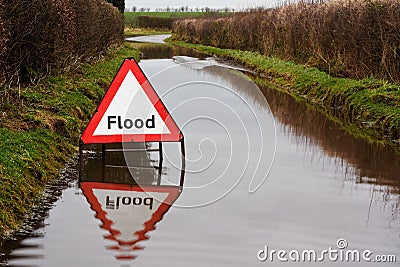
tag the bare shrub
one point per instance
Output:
(98, 25)
(350, 38)
(40, 37)
(155, 22)
(3, 41)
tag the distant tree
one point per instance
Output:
(120, 4)
(134, 9)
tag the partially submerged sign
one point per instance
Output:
(130, 111)
(129, 212)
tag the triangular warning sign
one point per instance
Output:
(131, 111)
(129, 212)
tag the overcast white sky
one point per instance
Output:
(206, 3)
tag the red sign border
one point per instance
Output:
(87, 188)
(175, 134)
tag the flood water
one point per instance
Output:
(263, 172)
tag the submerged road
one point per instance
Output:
(263, 173)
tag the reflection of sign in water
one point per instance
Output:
(130, 115)
(129, 212)
(131, 111)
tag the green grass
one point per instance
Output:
(367, 108)
(132, 21)
(130, 15)
(132, 18)
(40, 127)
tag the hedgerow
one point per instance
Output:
(40, 37)
(346, 38)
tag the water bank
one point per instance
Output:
(367, 108)
(40, 126)
(323, 185)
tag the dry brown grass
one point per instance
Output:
(346, 38)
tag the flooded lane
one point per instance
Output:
(155, 39)
(314, 184)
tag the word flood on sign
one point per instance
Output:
(120, 123)
(128, 201)
(131, 111)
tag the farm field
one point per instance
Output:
(163, 20)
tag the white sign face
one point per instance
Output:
(129, 210)
(144, 120)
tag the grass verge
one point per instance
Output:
(368, 108)
(40, 126)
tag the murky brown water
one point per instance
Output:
(312, 184)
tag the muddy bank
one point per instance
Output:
(40, 126)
